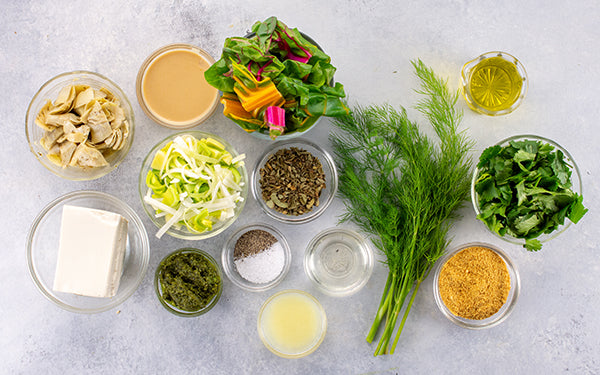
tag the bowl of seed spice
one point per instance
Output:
(294, 181)
(476, 285)
(256, 257)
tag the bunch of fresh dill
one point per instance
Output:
(404, 189)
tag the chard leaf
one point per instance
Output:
(216, 76)
(301, 72)
(296, 69)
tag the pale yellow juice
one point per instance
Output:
(292, 322)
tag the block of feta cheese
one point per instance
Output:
(91, 249)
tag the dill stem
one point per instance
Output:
(405, 316)
(400, 294)
(383, 306)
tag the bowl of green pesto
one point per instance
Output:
(188, 282)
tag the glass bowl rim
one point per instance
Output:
(142, 72)
(30, 120)
(229, 266)
(142, 188)
(173, 309)
(508, 306)
(327, 163)
(322, 314)
(575, 177)
(64, 199)
(366, 253)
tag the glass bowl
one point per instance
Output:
(50, 91)
(183, 232)
(231, 270)
(501, 314)
(42, 251)
(575, 181)
(338, 261)
(499, 72)
(212, 97)
(288, 316)
(174, 309)
(327, 194)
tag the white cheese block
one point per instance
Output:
(91, 249)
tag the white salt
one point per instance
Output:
(262, 267)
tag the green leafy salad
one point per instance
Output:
(524, 190)
(275, 81)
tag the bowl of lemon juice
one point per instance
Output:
(292, 323)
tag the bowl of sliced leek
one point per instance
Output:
(80, 125)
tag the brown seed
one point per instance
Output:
(291, 181)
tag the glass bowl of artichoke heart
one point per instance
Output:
(80, 125)
(188, 282)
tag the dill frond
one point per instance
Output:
(403, 188)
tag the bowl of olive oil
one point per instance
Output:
(494, 84)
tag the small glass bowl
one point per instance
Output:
(268, 336)
(156, 117)
(184, 232)
(173, 309)
(470, 67)
(338, 261)
(576, 186)
(43, 242)
(327, 194)
(231, 269)
(49, 91)
(505, 310)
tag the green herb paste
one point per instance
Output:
(188, 281)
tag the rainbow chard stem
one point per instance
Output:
(275, 120)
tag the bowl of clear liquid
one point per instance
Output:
(338, 261)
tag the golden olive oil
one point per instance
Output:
(495, 84)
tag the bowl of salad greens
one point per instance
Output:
(527, 190)
(276, 82)
(193, 185)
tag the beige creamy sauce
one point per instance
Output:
(174, 87)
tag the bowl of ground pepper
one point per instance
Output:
(294, 181)
(188, 282)
(476, 285)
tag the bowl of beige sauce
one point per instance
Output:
(171, 88)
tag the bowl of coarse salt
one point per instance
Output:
(256, 257)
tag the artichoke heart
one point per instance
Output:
(82, 127)
(87, 157)
(64, 101)
(99, 126)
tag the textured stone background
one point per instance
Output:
(555, 326)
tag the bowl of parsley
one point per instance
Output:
(527, 190)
